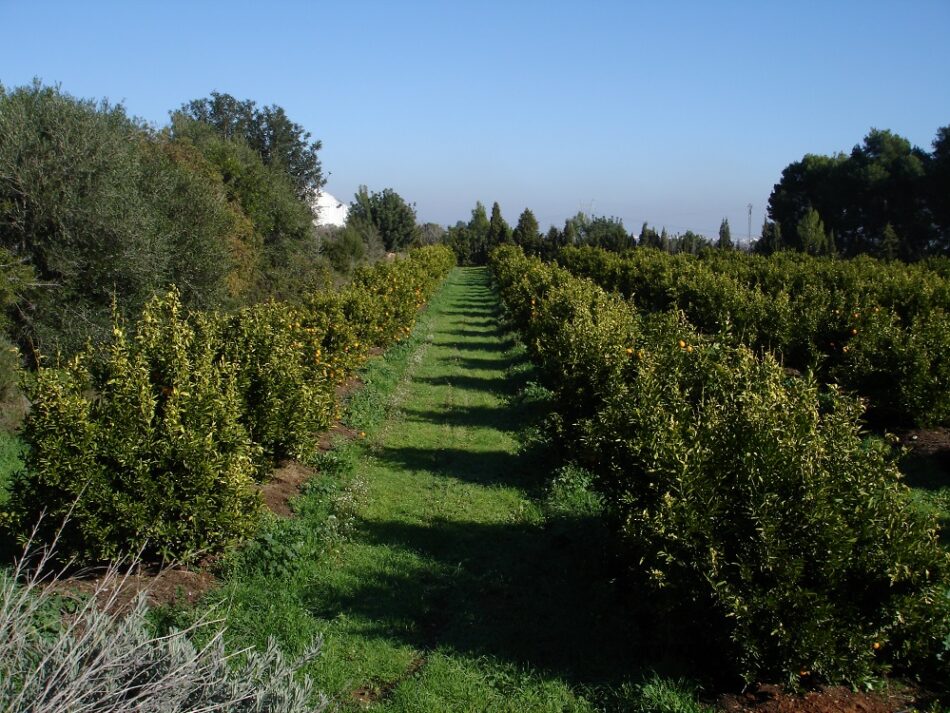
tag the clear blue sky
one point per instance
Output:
(679, 113)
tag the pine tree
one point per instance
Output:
(649, 237)
(479, 225)
(526, 233)
(770, 240)
(890, 243)
(498, 230)
(569, 234)
(811, 234)
(478, 228)
(725, 236)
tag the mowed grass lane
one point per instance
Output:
(455, 593)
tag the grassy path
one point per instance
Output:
(452, 596)
(460, 588)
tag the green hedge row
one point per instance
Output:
(881, 330)
(746, 503)
(156, 440)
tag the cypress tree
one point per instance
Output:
(725, 236)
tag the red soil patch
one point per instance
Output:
(327, 438)
(347, 387)
(172, 585)
(928, 442)
(284, 485)
(837, 699)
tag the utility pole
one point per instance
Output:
(750, 223)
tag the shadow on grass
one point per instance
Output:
(534, 597)
(929, 475)
(474, 317)
(473, 346)
(470, 383)
(538, 595)
(487, 302)
(929, 471)
(485, 467)
(488, 332)
(498, 418)
(495, 364)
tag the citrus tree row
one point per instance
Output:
(879, 329)
(745, 504)
(157, 439)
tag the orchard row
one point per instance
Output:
(157, 439)
(881, 330)
(746, 505)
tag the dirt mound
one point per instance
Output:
(284, 485)
(928, 442)
(837, 699)
(172, 585)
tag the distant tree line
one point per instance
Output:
(475, 239)
(886, 198)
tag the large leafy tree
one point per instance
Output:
(104, 211)
(269, 131)
(607, 233)
(938, 193)
(689, 242)
(277, 236)
(814, 182)
(888, 175)
(430, 234)
(599, 231)
(388, 213)
(883, 181)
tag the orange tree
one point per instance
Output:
(155, 440)
(745, 502)
(878, 329)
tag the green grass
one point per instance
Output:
(929, 480)
(441, 569)
(11, 455)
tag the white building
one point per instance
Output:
(329, 210)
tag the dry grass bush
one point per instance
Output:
(85, 658)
